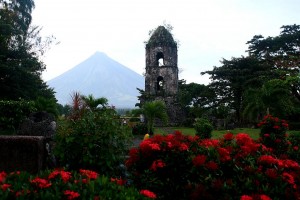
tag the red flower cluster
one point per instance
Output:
(89, 174)
(148, 194)
(254, 197)
(119, 181)
(2, 177)
(199, 160)
(41, 183)
(157, 164)
(195, 165)
(65, 176)
(71, 194)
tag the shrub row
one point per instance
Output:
(61, 184)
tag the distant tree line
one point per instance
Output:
(245, 88)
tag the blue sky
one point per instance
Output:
(207, 30)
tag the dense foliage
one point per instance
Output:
(92, 137)
(13, 112)
(233, 167)
(21, 48)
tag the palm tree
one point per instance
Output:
(274, 96)
(152, 110)
(92, 103)
(255, 106)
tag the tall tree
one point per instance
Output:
(195, 98)
(282, 53)
(230, 81)
(20, 51)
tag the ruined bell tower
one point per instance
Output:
(161, 77)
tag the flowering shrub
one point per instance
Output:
(233, 167)
(273, 134)
(294, 148)
(61, 184)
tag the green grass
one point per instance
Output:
(254, 133)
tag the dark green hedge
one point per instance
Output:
(13, 112)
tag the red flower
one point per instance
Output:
(246, 197)
(154, 146)
(5, 186)
(118, 181)
(271, 173)
(209, 143)
(88, 173)
(84, 180)
(296, 148)
(183, 147)
(148, 194)
(212, 165)
(71, 194)
(228, 136)
(288, 164)
(264, 197)
(285, 124)
(277, 140)
(243, 138)
(64, 175)
(2, 176)
(245, 150)
(267, 159)
(199, 160)
(288, 178)
(224, 154)
(40, 182)
(133, 157)
(276, 127)
(267, 135)
(157, 164)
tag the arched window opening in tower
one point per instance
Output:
(160, 83)
(160, 59)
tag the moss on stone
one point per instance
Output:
(161, 37)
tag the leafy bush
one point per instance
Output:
(95, 140)
(273, 134)
(294, 148)
(13, 112)
(233, 167)
(61, 184)
(203, 128)
(140, 129)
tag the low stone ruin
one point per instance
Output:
(38, 124)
